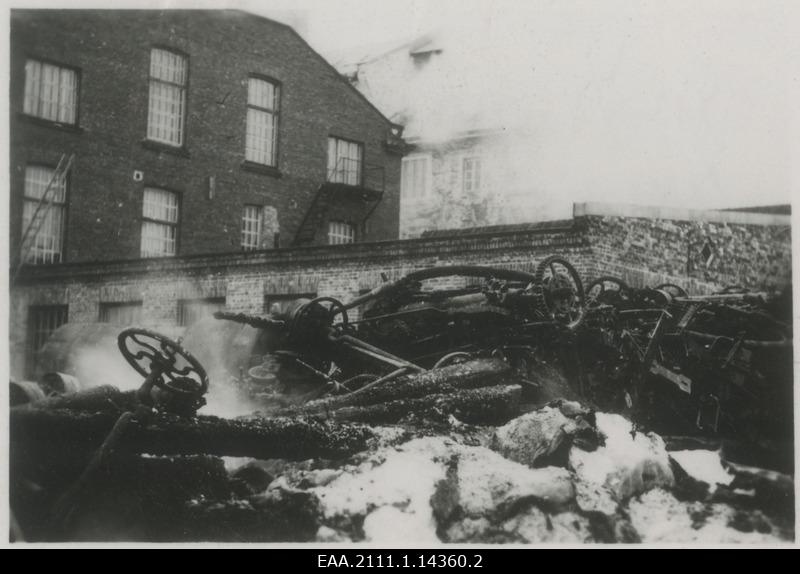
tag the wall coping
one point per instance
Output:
(434, 247)
(677, 213)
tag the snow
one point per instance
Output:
(628, 463)
(486, 480)
(703, 465)
(394, 494)
(659, 517)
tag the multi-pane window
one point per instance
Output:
(167, 107)
(44, 319)
(344, 161)
(252, 225)
(51, 92)
(340, 232)
(262, 121)
(159, 223)
(471, 174)
(121, 313)
(43, 212)
(416, 176)
(190, 311)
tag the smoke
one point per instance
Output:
(224, 349)
(641, 102)
(100, 365)
(219, 346)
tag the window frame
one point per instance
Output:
(184, 92)
(64, 206)
(176, 225)
(105, 306)
(353, 227)
(428, 191)
(277, 85)
(359, 173)
(477, 160)
(259, 233)
(33, 333)
(180, 308)
(77, 104)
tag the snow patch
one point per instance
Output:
(659, 517)
(393, 494)
(487, 480)
(703, 465)
(629, 463)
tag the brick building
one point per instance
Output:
(183, 132)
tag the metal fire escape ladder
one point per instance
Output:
(314, 216)
(45, 202)
(348, 179)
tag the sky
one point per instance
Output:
(692, 103)
(681, 103)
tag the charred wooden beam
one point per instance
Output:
(486, 405)
(105, 398)
(44, 430)
(468, 375)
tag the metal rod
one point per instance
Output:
(359, 345)
(375, 383)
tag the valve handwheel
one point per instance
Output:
(559, 291)
(149, 352)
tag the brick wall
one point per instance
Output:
(598, 242)
(112, 52)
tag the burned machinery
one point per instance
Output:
(676, 363)
(426, 319)
(716, 364)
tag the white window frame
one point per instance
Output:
(160, 218)
(51, 92)
(471, 168)
(47, 244)
(263, 104)
(412, 167)
(345, 161)
(252, 227)
(166, 110)
(341, 233)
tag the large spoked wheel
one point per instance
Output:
(175, 368)
(607, 290)
(560, 291)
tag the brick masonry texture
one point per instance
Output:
(111, 50)
(643, 251)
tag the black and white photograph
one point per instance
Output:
(452, 275)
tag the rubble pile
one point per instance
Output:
(559, 474)
(518, 408)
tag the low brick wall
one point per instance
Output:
(640, 249)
